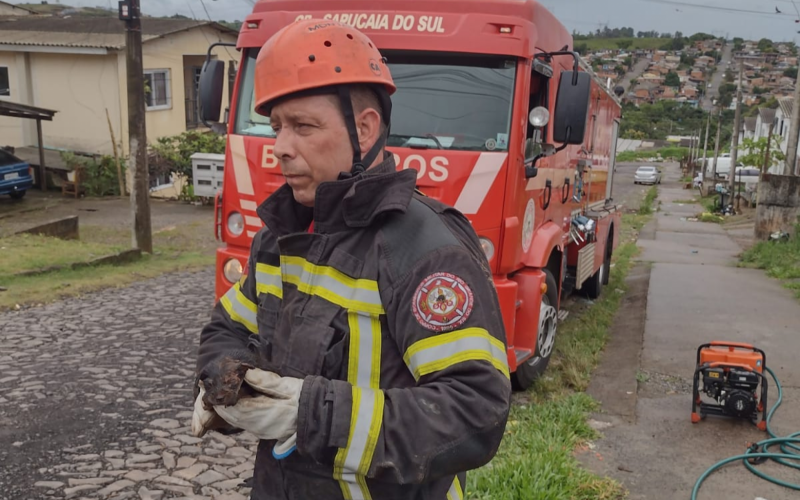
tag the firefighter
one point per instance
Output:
(385, 371)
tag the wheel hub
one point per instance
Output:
(548, 319)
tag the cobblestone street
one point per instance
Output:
(96, 399)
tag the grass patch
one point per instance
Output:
(537, 459)
(667, 152)
(713, 218)
(646, 208)
(710, 202)
(686, 202)
(781, 260)
(49, 287)
(29, 252)
(612, 43)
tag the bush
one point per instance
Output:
(99, 176)
(174, 154)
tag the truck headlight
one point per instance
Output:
(232, 270)
(235, 223)
(488, 248)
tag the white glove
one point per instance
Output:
(271, 416)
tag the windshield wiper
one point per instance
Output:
(423, 137)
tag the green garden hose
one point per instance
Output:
(788, 447)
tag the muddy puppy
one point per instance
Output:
(223, 383)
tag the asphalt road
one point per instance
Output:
(716, 79)
(625, 192)
(635, 72)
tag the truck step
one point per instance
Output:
(562, 315)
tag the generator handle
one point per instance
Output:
(732, 345)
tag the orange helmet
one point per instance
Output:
(317, 56)
(316, 53)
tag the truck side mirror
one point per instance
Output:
(211, 86)
(572, 107)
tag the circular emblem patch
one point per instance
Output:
(442, 302)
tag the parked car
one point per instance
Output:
(647, 174)
(15, 175)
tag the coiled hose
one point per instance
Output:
(759, 452)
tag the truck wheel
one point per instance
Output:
(593, 286)
(17, 195)
(535, 366)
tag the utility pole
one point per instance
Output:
(769, 147)
(705, 145)
(794, 130)
(130, 12)
(716, 150)
(736, 124)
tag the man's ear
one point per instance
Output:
(368, 125)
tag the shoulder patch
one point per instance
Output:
(442, 302)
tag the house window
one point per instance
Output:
(157, 89)
(5, 88)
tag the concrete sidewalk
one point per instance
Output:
(695, 295)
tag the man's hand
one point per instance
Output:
(271, 416)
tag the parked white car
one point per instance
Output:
(647, 174)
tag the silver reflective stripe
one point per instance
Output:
(353, 488)
(464, 346)
(268, 280)
(240, 308)
(366, 339)
(361, 428)
(346, 294)
(455, 492)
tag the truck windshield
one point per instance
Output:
(443, 101)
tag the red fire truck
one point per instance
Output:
(499, 117)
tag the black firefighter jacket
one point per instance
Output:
(388, 312)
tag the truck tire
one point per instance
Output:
(609, 251)
(17, 195)
(533, 367)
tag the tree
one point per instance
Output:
(582, 48)
(628, 62)
(674, 44)
(738, 44)
(758, 90)
(687, 59)
(765, 45)
(757, 150)
(790, 72)
(625, 43)
(729, 78)
(672, 80)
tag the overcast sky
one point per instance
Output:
(745, 18)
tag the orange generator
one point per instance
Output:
(731, 375)
(500, 118)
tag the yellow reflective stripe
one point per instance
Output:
(332, 285)
(240, 308)
(268, 280)
(442, 351)
(352, 463)
(455, 492)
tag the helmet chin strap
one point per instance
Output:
(359, 165)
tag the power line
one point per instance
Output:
(718, 8)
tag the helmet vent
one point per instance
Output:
(328, 43)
